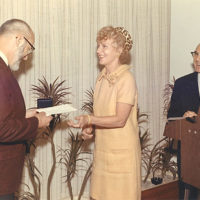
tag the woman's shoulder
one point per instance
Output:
(126, 74)
(126, 79)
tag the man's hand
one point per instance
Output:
(43, 119)
(189, 114)
(31, 113)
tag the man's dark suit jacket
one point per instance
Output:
(14, 127)
(185, 96)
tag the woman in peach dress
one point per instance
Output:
(116, 166)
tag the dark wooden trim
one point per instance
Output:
(168, 191)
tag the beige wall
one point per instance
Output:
(185, 35)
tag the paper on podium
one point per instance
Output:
(175, 118)
(65, 108)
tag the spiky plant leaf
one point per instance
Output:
(71, 157)
(55, 91)
(88, 104)
(166, 96)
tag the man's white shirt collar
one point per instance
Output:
(199, 82)
(2, 55)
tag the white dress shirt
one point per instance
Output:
(199, 82)
(2, 55)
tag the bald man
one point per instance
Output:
(185, 102)
(16, 124)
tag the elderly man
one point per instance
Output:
(185, 101)
(16, 124)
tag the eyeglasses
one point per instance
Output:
(195, 53)
(32, 47)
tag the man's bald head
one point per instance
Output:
(16, 26)
(16, 41)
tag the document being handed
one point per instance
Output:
(65, 108)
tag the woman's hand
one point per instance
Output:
(70, 123)
(83, 121)
(87, 133)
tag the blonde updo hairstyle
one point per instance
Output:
(121, 37)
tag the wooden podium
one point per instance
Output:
(189, 135)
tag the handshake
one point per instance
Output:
(84, 122)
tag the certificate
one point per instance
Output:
(65, 108)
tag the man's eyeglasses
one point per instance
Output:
(32, 47)
(195, 53)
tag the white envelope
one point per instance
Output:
(65, 108)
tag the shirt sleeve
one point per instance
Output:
(126, 89)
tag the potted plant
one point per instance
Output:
(71, 156)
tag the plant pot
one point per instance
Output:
(156, 180)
